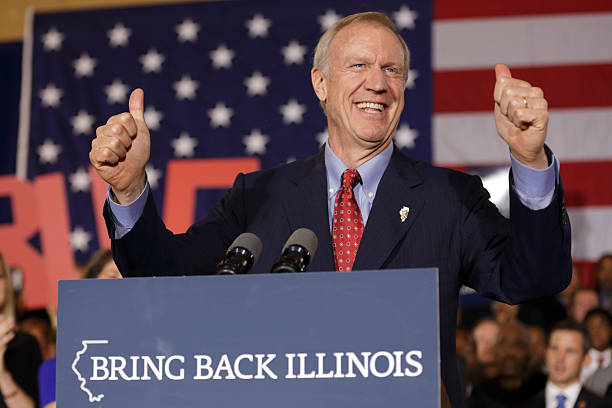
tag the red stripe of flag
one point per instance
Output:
(575, 86)
(587, 269)
(587, 183)
(448, 9)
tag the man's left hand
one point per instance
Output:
(521, 117)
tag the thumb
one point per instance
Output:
(137, 104)
(501, 71)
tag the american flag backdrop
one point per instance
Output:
(231, 79)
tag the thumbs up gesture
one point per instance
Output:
(521, 117)
(121, 150)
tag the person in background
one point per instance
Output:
(566, 355)
(566, 296)
(20, 355)
(514, 386)
(485, 336)
(504, 313)
(44, 333)
(584, 299)
(604, 281)
(599, 325)
(538, 349)
(600, 383)
(100, 266)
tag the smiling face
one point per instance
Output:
(363, 92)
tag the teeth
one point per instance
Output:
(371, 105)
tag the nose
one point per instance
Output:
(376, 81)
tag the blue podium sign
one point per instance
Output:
(357, 339)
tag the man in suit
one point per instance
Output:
(408, 214)
(566, 355)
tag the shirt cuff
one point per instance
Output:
(125, 216)
(534, 187)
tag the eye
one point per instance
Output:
(358, 65)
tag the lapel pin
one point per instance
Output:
(404, 213)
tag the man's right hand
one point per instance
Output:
(121, 150)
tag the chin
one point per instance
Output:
(374, 137)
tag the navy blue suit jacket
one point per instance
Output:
(451, 225)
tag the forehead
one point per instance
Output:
(366, 38)
(486, 327)
(513, 334)
(567, 337)
(597, 319)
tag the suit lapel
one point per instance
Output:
(399, 187)
(306, 206)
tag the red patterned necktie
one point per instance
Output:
(347, 225)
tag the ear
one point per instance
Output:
(319, 83)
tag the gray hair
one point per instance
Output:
(321, 59)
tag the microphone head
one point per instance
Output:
(250, 242)
(305, 238)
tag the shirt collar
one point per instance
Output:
(371, 171)
(606, 354)
(571, 392)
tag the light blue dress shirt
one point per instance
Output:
(535, 188)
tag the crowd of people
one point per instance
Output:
(27, 347)
(551, 352)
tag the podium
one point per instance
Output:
(355, 339)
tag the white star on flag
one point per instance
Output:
(257, 84)
(413, 74)
(50, 95)
(119, 35)
(255, 142)
(186, 88)
(79, 239)
(220, 115)
(328, 19)
(292, 112)
(151, 61)
(404, 136)
(258, 26)
(80, 180)
(82, 123)
(322, 137)
(84, 65)
(52, 40)
(153, 117)
(153, 175)
(404, 18)
(116, 92)
(187, 31)
(294, 53)
(184, 145)
(48, 152)
(222, 57)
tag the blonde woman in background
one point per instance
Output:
(20, 356)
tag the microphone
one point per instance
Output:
(241, 256)
(298, 251)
